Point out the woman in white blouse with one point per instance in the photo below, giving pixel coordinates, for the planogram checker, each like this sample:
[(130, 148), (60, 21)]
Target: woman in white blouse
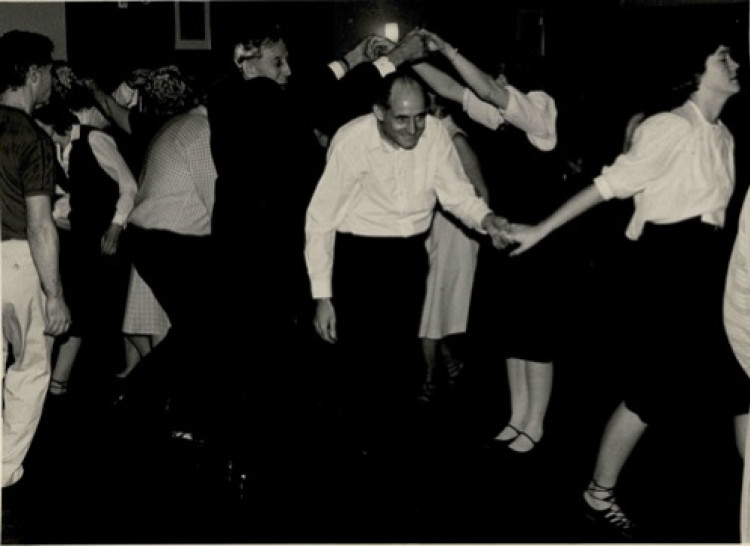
[(680, 173)]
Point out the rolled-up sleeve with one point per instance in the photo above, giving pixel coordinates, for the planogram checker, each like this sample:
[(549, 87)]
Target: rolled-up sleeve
[(109, 158), (656, 146), (484, 113), (534, 113)]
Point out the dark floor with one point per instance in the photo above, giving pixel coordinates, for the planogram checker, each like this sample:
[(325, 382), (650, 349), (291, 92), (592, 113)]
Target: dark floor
[(90, 481)]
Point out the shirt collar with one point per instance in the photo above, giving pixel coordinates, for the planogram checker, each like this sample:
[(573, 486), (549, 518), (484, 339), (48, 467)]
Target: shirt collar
[(376, 140)]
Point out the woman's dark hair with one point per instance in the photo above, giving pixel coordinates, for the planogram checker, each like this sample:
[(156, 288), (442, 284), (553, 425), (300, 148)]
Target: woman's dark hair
[(685, 62), (57, 116), (19, 51)]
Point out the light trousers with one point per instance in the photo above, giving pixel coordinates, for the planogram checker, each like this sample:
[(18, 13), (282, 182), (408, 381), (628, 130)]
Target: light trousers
[(26, 380)]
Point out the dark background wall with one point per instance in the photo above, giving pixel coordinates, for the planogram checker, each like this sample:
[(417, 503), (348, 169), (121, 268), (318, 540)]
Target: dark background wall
[(589, 43)]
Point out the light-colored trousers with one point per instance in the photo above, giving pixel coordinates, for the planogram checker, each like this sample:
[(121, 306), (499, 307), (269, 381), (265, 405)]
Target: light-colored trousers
[(26, 380)]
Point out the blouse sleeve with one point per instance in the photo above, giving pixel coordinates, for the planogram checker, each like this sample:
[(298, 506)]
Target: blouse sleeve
[(534, 113), (656, 147)]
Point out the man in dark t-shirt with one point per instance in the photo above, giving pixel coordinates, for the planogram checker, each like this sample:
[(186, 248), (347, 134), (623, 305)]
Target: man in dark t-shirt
[(32, 298)]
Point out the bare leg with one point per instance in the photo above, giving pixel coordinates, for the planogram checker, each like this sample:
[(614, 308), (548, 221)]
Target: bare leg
[(539, 376), (430, 349), (519, 398), (66, 357), (451, 364), (622, 433), (740, 433), (136, 347)]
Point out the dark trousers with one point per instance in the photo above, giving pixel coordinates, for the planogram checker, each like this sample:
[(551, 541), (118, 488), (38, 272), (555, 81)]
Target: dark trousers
[(378, 292)]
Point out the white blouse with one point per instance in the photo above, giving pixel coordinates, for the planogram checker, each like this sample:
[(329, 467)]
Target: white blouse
[(680, 166), (534, 113)]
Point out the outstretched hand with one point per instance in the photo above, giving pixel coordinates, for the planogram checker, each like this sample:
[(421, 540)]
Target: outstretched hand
[(525, 236)]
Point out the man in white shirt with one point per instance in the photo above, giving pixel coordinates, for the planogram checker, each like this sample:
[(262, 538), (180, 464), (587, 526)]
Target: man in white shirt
[(374, 204)]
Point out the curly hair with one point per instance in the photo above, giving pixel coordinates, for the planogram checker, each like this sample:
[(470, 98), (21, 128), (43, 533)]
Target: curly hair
[(167, 91)]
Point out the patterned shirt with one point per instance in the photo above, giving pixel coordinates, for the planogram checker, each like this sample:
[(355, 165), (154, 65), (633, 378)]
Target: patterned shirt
[(27, 168), (178, 178)]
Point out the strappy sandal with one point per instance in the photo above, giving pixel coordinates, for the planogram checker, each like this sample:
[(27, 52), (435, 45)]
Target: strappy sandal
[(57, 387), (612, 517)]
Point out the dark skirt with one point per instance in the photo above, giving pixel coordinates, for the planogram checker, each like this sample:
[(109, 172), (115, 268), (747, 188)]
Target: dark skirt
[(95, 286), (520, 304), (678, 356)]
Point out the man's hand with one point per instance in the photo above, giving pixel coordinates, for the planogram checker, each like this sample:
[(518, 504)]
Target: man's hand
[(377, 46), (498, 229), (412, 47), (369, 49), (57, 316), (110, 239), (325, 320)]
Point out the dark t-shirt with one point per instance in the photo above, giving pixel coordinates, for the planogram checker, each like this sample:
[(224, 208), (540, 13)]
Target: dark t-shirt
[(27, 168)]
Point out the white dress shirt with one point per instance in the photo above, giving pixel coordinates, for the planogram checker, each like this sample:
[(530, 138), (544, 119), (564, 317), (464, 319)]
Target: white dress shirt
[(371, 188), (680, 166)]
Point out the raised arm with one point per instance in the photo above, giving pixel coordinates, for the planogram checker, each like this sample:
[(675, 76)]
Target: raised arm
[(485, 86), (442, 83), (118, 114)]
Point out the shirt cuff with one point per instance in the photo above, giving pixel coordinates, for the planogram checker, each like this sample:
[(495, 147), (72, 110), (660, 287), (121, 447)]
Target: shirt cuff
[(321, 289), (384, 66), (604, 188), (337, 68)]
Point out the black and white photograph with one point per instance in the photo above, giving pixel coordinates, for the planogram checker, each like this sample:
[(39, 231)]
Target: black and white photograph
[(375, 271)]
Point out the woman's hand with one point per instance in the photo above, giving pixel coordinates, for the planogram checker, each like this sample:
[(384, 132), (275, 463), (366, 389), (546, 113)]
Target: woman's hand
[(525, 236)]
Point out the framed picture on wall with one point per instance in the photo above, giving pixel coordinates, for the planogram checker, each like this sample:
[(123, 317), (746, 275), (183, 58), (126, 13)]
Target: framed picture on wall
[(192, 25)]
